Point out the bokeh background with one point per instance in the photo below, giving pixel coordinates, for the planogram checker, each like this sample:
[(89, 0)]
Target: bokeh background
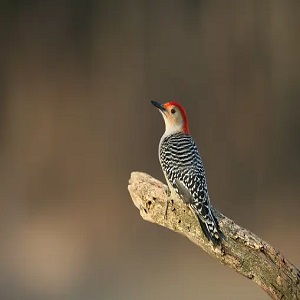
[(76, 78)]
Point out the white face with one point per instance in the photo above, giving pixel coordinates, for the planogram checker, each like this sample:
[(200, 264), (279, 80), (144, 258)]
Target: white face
[(173, 119)]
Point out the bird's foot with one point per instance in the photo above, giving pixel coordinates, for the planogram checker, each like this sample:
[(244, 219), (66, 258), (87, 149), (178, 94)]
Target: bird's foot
[(166, 209), (168, 193)]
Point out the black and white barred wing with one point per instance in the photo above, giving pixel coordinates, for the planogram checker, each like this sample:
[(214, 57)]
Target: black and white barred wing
[(197, 199)]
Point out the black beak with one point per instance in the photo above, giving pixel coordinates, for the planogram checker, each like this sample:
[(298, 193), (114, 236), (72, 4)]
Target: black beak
[(158, 105)]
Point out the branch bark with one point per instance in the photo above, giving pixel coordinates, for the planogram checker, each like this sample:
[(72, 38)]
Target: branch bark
[(242, 250)]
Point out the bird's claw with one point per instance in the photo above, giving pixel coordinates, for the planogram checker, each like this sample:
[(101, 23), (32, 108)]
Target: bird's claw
[(168, 193), (166, 210)]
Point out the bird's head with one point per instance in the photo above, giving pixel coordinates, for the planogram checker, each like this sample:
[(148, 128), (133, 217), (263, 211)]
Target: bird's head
[(174, 117)]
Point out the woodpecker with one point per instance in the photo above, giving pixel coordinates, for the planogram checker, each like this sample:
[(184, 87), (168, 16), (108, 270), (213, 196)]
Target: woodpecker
[(183, 168)]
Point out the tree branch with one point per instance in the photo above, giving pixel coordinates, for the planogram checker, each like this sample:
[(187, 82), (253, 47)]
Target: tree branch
[(242, 250)]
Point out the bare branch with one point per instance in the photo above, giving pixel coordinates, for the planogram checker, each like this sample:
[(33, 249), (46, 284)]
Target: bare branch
[(243, 251)]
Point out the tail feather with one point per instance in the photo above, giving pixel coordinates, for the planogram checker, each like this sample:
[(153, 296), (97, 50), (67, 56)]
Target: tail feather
[(210, 228)]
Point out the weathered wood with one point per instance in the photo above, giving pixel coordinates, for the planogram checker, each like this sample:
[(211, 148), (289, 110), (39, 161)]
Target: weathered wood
[(242, 250)]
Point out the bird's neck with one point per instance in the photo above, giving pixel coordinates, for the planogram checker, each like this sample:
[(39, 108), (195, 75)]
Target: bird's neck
[(171, 127), (174, 129), (171, 133)]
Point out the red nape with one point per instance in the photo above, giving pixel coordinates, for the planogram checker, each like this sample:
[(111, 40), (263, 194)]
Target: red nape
[(185, 128)]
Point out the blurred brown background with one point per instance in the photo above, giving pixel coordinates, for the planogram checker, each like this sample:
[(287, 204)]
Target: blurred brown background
[(76, 80)]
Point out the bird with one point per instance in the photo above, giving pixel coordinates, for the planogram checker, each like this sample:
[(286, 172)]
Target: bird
[(183, 168)]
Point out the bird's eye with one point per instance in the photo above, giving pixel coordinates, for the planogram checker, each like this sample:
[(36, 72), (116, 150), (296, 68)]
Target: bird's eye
[(173, 111)]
